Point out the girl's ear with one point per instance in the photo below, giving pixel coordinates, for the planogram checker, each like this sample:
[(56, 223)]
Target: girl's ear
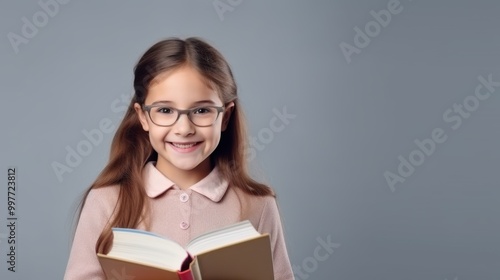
[(227, 115), (142, 116)]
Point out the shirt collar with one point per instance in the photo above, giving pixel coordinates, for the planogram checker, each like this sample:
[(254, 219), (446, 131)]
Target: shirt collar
[(212, 186)]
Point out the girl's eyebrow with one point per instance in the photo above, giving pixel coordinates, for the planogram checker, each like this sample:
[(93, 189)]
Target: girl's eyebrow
[(194, 103)]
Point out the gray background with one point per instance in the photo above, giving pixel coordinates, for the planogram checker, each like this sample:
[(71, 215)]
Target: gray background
[(327, 165)]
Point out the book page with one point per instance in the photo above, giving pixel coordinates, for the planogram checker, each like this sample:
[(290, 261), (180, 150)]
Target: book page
[(148, 248), (222, 237)]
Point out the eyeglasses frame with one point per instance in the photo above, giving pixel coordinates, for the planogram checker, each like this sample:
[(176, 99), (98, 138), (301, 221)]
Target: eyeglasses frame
[(180, 112)]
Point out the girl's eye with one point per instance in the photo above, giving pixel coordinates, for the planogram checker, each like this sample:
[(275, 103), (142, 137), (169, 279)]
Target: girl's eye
[(165, 110), (202, 110)]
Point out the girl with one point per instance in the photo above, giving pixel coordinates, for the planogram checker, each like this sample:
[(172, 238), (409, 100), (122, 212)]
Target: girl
[(177, 165)]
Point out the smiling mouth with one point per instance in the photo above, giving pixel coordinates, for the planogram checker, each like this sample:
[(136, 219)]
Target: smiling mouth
[(184, 145)]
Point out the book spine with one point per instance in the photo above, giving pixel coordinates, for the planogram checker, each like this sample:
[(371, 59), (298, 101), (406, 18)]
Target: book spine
[(185, 275)]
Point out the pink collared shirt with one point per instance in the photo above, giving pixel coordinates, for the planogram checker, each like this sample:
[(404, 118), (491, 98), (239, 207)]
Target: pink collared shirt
[(179, 215)]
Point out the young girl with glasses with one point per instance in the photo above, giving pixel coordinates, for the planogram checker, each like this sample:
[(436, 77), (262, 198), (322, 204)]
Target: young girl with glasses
[(177, 165)]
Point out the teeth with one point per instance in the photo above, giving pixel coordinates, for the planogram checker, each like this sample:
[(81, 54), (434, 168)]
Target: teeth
[(183, 146)]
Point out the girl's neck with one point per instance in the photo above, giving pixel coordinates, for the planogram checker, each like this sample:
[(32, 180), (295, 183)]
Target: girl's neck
[(185, 178)]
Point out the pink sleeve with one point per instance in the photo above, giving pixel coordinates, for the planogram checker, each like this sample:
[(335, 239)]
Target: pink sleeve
[(270, 222), (83, 263)]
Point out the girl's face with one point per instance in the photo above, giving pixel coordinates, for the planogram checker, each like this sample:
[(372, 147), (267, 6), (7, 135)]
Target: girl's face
[(183, 148)]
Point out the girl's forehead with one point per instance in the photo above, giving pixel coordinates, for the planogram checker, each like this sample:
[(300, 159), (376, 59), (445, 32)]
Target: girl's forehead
[(184, 86)]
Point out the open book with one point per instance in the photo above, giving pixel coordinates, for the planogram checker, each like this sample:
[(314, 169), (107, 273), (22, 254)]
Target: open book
[(235, 252)]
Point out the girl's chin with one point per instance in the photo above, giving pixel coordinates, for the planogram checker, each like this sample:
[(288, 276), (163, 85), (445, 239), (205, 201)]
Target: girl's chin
[(185, 165)]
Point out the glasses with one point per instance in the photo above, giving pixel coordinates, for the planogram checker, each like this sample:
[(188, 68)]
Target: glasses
[(162, 115)]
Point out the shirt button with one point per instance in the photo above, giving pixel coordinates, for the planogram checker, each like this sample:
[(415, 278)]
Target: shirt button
[(184, 197), (184, 225)]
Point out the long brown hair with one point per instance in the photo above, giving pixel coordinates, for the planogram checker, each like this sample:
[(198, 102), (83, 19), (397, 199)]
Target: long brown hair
[(131, 149)]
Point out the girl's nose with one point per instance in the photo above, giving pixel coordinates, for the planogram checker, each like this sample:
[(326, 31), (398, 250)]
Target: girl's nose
[(184, 126)]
